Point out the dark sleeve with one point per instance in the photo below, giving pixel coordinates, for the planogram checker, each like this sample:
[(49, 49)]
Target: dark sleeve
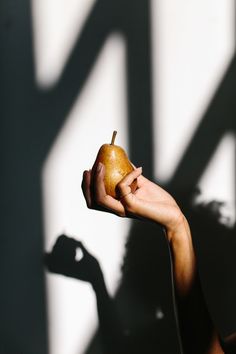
[(229, 347), (215, 246)]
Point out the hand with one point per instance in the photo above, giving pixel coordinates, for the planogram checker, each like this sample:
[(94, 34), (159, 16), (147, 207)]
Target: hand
[(62, 261), (149, 201)]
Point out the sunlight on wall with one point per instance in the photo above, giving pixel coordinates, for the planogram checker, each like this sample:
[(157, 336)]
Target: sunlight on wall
[(193, 44), (57, 25), (218, 181), (98, 111)]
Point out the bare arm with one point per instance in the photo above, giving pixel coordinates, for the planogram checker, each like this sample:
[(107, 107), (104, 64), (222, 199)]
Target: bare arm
[(153, 203), (197, 330)]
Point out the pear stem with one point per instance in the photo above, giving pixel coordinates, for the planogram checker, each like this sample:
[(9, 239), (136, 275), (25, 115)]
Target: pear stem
[(113, 137)]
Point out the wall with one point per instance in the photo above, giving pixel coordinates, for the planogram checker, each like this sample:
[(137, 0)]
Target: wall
[(160, 73)]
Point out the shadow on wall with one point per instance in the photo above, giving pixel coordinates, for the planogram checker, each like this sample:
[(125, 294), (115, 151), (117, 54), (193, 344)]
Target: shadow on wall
[(31, 120), (141, 317)]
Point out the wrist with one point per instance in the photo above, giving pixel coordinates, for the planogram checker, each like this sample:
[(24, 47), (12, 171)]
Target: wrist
[(183, 255), (177, 228)]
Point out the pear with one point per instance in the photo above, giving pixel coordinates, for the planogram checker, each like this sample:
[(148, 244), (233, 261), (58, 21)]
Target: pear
[(117, 166)]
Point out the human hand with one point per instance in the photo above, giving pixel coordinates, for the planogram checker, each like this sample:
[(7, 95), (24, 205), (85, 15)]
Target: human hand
[(149, 201), (62, 260)]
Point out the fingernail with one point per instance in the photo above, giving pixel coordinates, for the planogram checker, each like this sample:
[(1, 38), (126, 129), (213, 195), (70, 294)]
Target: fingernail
[(99, 167), (140, 168), (85, 173)]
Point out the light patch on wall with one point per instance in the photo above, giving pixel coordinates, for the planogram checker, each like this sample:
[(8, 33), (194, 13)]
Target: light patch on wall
[(218, 181), (56, 27), (193, 43), (98, 111)]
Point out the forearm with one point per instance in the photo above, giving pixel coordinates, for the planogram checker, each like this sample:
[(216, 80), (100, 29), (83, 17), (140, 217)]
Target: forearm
[(183, 256), (197, 330)]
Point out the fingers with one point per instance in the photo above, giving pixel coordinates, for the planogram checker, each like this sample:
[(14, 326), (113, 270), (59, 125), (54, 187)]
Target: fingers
[(64, 245), (86, 188), (83, 249), (124, 186), (130, 177), (97, 198), (99, 187), (105, 200), (124, 190), (101, 198)]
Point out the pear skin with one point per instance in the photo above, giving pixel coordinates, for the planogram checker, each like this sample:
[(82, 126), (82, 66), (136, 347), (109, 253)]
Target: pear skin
[(117, 166)]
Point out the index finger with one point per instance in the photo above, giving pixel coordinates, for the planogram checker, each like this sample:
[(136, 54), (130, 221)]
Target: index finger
[(124, 186)]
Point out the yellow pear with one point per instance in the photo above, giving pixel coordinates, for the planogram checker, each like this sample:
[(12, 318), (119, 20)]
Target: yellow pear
[(117, 166)]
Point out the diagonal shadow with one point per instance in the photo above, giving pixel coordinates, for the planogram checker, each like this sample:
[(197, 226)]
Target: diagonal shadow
[(214, 243), (218, 119), (31, 119)]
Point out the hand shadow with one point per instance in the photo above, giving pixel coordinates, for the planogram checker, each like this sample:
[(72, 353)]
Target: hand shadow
[(62, 260)]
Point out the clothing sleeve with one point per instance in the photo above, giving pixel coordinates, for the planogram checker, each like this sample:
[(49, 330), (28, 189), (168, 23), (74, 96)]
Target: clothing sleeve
[(215, 246)]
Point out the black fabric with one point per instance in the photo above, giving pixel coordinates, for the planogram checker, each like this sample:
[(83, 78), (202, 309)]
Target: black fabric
[(215, 246)]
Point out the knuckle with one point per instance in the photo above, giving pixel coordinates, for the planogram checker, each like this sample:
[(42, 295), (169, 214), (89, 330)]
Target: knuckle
[(121, 185)]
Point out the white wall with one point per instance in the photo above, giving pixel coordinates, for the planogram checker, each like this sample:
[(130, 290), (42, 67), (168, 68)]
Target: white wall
[(193, 42)]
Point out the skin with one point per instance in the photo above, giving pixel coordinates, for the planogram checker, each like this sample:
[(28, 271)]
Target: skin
[(151, 202)]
